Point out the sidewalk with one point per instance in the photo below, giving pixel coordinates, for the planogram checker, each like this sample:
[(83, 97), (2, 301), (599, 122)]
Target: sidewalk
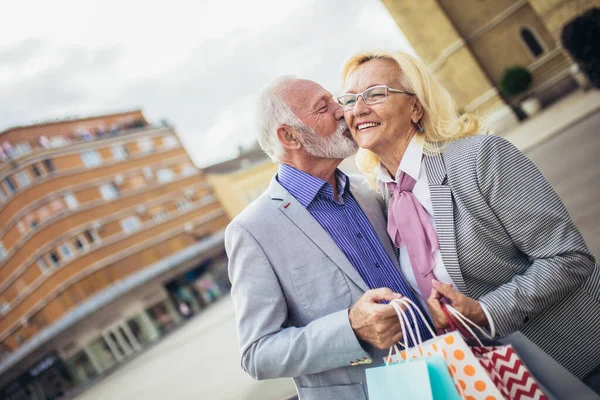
[(554, 119)]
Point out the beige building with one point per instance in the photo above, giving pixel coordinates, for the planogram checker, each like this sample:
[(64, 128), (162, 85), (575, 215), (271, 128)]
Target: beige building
[(240, 181), (470, 43), (109, 238)]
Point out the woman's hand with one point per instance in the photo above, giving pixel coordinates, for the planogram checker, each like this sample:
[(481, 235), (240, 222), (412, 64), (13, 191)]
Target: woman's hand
[(467, 306)]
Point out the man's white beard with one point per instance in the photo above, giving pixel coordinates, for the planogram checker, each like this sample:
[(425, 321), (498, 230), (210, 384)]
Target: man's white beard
[(334, 146)]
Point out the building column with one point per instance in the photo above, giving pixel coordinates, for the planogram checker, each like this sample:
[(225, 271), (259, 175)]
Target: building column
[(175, 316), (131, 337), (93, 359), (113, 348), (148, 326)]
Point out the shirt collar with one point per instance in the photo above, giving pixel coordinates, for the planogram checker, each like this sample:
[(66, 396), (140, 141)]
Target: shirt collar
[(410, 163), (305, 187)]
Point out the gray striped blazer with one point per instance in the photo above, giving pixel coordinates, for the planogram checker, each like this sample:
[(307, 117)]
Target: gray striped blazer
[(507, 240)]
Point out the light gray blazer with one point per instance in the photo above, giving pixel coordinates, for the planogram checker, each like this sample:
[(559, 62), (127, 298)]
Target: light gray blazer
[(292, 287), (507, 240)]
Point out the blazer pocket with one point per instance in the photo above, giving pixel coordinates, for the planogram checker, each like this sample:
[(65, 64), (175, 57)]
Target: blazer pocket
[(342, 392), (321, 288)]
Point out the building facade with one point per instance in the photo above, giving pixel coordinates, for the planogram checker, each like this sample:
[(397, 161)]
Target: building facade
[(469, 44), (239, 181), (110, 237)]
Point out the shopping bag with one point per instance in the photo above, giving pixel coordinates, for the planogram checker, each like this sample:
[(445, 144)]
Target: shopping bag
[(399, 381), (470, 377), (422, 377), (503, 362), (503, 365)]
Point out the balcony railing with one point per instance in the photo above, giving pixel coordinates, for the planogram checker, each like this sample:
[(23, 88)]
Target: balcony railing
[(10, 154)]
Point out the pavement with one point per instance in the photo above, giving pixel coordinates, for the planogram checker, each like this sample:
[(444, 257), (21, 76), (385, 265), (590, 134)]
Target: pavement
[(554, 120), (198, 361)]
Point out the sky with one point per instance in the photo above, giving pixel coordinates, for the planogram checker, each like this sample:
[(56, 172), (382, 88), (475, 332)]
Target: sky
[(199, 64)]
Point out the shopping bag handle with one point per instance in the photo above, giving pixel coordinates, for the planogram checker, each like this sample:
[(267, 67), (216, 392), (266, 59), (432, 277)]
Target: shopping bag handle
[(412, 306), (401, 318), (456, 325), (467, 324)]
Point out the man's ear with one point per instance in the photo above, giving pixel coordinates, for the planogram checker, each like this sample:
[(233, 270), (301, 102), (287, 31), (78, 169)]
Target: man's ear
[(417, 113), (287, 137)]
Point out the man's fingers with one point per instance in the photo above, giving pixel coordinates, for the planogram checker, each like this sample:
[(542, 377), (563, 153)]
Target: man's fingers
[(385, 311), (395, 339), (377, 295)]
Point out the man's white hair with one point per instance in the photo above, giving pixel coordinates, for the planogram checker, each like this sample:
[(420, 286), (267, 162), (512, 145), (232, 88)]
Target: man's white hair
[(273, 112)]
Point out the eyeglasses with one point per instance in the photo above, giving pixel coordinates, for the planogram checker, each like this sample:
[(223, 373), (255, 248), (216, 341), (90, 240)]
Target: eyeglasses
[(372, 95)]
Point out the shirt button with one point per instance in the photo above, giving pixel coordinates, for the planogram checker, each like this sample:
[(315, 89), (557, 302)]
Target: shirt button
[(377, 265), (359, 235)]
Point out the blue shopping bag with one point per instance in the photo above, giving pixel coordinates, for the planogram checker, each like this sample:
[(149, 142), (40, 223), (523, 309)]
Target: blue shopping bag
[(405, 380), (442, 384), (425, 378)]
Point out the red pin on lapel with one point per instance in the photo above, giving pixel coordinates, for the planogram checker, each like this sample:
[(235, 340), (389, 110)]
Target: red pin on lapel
[(287, 205)]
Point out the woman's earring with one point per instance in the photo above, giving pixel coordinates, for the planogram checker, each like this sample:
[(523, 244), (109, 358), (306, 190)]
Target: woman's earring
[(420, 127)]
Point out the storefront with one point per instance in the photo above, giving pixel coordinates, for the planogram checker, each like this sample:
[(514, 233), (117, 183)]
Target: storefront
[(47, 380), (200, 286)]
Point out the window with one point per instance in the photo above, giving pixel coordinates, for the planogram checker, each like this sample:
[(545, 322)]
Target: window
[(3, 252), (71, 201), (22, 227), (170, 142), (23, 179), (165, 175), (147, 171), (22, 148), (49, 164), (532, 42), (119, 152), (58, 141), (189, 170), (33, 224), (159, 216), (207, 199), (130, 224), (43, 266), (145, 145), (36, 171), (4, 308), (43, 214), (57, 206), (91, 158), (2, 195), (10, 184), (109, 191), (65, 251), (90, 236), (183, 204), (79, 246), (54, 258)]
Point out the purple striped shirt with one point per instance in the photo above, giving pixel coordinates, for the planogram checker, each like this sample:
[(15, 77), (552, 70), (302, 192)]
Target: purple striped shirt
[(349, 228)]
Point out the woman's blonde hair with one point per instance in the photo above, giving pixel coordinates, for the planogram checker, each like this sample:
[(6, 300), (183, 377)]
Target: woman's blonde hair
[(441, 122)]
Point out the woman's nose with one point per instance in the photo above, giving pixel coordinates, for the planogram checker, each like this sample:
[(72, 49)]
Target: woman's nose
[(360, 107)]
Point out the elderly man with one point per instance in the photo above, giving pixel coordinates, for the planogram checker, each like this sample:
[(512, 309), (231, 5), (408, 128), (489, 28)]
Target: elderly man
[(310, 260)]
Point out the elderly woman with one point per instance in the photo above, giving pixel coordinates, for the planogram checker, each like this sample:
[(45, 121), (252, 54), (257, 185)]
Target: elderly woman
[(474, 220)]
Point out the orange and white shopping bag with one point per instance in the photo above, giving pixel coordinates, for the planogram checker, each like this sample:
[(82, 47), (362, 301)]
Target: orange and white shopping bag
[(471, 379)]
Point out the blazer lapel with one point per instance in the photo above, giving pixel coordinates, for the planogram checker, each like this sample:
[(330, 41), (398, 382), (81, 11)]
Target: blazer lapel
[(372, 208), (296, 212), (443, 210)]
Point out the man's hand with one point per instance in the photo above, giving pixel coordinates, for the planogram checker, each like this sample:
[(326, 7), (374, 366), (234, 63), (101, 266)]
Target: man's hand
[(467, 306), (376, 323)]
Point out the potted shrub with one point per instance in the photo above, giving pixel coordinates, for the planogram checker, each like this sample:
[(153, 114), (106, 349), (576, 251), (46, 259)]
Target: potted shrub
[(515, 82), (580, 38)]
